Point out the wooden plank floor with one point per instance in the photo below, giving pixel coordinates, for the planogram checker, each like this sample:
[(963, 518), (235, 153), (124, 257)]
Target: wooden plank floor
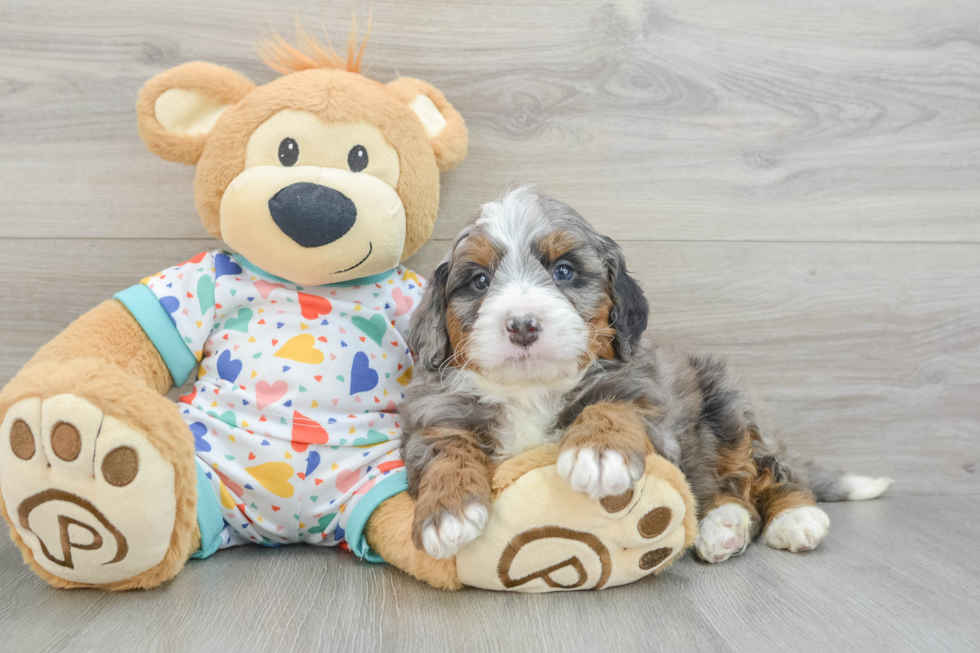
[(899, 574), (796, 184)]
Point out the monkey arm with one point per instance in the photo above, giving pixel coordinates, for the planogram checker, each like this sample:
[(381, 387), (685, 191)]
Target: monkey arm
[(110, 333)]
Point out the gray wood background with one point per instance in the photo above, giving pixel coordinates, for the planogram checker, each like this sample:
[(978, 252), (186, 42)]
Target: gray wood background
[(796, 184)]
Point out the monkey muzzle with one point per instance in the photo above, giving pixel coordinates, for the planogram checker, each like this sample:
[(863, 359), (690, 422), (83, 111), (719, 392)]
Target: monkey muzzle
[(311, 214)]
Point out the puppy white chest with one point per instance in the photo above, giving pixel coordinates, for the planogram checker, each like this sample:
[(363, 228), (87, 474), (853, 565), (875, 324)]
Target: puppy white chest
[(526, 424), (528, 412)]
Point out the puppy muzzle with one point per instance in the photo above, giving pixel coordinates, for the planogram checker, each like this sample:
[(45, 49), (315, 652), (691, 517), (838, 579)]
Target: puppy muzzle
[(523, 330)]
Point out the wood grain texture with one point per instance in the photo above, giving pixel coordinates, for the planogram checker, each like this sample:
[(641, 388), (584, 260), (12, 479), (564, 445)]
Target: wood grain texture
[(867, 355), (897, 574), (795, 185), (763, 120)]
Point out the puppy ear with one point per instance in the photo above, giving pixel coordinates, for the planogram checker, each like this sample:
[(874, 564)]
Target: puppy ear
[(177, 108), (428, 336), (630, 309), (442, 123)]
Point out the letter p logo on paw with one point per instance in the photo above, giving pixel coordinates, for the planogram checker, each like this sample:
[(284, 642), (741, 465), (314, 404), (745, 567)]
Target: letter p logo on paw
[(90, 527)]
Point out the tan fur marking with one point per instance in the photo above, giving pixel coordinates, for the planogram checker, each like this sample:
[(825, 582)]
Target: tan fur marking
[(458, 339), (780, 497), (602, 334), (610, 425), (556, 244), (478, 249), (756, 490), (460, 472)]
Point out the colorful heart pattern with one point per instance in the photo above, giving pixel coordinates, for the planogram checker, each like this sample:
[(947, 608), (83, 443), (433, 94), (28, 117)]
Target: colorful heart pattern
[(374, 328), (294, 413), (302, 350), (269, 393), (362, 377), (313, 306)]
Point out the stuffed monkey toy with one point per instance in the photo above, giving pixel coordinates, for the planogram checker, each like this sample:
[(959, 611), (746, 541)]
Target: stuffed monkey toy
[(320, 183)]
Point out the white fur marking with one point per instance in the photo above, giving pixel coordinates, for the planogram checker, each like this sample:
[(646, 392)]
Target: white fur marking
[(797, 529), (586, 472), (616, 477), (445, 540), (530, 408), (862, 488), (724, 532)]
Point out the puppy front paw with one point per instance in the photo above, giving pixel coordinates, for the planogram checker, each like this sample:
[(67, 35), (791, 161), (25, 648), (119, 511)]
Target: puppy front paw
[(599, 473), (441, 531)]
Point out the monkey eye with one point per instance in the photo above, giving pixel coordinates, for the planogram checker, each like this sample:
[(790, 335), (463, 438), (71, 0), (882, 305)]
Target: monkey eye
[(563, 272), (480, 281), (288, 152), (357, 158)]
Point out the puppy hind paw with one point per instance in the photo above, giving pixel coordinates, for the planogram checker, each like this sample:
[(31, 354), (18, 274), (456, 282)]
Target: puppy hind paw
[(724, 532), (797, 529)]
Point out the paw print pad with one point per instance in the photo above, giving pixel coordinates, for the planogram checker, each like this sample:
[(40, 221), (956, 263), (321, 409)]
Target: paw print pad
[(91, 498), (544, 536)]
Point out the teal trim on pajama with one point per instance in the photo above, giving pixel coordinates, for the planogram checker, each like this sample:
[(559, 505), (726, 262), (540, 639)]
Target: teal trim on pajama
[(159, 328)]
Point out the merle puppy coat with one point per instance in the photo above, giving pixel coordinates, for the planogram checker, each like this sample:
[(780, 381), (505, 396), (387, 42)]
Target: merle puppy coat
[(530, 332)]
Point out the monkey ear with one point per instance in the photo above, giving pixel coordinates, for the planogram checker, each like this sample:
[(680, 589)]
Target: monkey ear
[(177, 108), (428, 336), (443, 124)]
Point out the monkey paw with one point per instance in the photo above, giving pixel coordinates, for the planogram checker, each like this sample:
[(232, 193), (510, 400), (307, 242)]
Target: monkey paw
[(89, 496), (544, 536)]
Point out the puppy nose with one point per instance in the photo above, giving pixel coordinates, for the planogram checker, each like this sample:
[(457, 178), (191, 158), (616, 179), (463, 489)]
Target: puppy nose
[(311, 214), (523, 329)]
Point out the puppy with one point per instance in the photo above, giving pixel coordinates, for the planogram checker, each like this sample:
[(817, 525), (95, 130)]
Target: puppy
[(530, 332)]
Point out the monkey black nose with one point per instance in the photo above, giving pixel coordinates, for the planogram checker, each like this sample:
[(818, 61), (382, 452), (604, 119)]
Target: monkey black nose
[(523, 329), (311, 214)]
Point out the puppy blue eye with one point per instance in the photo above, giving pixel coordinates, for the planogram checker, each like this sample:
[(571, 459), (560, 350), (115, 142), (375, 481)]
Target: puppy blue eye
[(481, 281), (563, 272)]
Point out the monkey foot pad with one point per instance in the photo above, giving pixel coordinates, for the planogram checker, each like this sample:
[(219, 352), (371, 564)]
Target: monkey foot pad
[(90, 497), (543, 536)]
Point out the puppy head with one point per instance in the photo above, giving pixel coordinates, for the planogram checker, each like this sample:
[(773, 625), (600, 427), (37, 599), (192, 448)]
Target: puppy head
[(529, 291)]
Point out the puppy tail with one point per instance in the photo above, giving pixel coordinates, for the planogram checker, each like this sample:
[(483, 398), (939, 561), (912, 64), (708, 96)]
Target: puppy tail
[(832, 486)]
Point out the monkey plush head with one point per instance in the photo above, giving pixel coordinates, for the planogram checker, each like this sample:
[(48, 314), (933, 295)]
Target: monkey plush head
[(319, 176)]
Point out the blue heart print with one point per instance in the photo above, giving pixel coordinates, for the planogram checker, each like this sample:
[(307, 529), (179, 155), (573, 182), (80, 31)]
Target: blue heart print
[(199, 431), (223, 265), (312, 462), (228, 368), (362, 377), (170, 304)]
